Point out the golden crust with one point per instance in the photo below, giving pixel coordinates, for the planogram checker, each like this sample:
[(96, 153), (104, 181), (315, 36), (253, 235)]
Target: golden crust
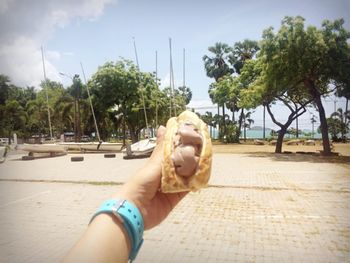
[(171, 182)]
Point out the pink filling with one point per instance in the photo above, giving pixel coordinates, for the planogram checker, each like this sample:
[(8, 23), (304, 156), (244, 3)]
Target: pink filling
[(188, 144)]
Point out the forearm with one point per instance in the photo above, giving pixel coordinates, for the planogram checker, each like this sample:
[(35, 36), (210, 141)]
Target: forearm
[(105, 240)]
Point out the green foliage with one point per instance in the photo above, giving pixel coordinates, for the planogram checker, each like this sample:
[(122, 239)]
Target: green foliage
[(232, 133), (217, 65), (186, 93), (120, 87), (337, 128), (12, 118), (243, 52)]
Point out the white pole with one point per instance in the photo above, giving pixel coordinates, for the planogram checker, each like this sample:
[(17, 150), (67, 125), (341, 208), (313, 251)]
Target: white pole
[(143, 98), (92, 107), (45, 88)]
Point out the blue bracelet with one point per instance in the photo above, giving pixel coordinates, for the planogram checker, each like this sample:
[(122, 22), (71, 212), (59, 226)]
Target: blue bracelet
[(132, 221)]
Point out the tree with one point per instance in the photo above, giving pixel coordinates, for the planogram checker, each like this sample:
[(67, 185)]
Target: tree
[(262, 91), (336, 127), (4, 88), (54, 91), (121, 85), (339, 124), (313, 121), (227, 92), (208, 118), (76, 90), (217, 66), (311, 57), (243, 51), (344, 91), (12, 118), (186, 93), (247, 122)]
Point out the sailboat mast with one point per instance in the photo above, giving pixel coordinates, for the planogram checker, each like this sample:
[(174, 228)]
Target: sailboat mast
[(172, 84), (157, 88), (92, 107), (46, 93), (184, 82), (142, 96)]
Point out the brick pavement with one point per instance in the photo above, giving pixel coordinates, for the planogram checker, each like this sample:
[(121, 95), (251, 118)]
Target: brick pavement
[(264, 210)]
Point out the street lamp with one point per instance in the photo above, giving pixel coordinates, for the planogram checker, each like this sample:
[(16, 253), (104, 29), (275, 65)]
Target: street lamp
[(76, 95)]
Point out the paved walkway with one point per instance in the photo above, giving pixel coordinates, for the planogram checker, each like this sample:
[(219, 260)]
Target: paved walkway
[(257, 209)]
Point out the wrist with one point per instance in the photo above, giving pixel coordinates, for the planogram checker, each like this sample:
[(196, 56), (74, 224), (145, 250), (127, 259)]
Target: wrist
[(130, 218), (131, 196)]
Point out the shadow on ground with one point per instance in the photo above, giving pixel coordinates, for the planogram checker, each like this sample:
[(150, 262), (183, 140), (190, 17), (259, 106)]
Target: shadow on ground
[(297, 157)]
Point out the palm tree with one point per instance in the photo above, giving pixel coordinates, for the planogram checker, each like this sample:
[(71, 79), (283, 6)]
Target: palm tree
[(4, 88), (341, 116), (208, 118), (217, 66), (241, 52), (37, 121), (247, 122), (64, 112), (344, 91), (313, 121)]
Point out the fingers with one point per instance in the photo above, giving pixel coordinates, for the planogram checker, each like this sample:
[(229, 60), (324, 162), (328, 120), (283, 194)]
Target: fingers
[(160, 134), (157, 154)]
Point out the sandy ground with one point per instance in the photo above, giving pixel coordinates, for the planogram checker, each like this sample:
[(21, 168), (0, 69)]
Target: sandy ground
[(259, 207)]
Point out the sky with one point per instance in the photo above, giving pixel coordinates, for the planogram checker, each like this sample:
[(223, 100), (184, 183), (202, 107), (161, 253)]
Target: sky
[(96, 31)]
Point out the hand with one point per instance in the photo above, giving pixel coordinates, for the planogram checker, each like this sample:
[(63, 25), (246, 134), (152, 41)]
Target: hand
[(143, 188)]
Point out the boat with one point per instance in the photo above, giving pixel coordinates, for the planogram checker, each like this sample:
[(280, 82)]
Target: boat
[(92, 146), (3, 153), (140, 149), (42, 148)]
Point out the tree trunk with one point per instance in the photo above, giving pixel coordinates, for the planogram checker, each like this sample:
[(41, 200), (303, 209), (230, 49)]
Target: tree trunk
[(346, 111), (346, 118), (223, 118), (218, 124), (280, 137), (244, 127), (240, 124), (79, 121), (324, 127), (124, 124), (9, 137), (264, 122), (233, 116), (297, 128), (133, 134), (75, 120)]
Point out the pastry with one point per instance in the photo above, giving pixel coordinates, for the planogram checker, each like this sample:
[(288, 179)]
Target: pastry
[(187, 154)]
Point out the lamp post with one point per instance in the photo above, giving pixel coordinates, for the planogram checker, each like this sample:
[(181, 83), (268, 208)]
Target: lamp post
[(76, 95)]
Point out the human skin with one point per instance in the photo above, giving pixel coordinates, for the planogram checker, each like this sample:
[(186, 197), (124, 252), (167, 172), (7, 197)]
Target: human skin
[(105, 239)]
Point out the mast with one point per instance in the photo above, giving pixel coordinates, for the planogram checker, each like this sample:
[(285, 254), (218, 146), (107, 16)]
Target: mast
[(157, 88), (46, 93), (184, 81), (172, 84), (142, 96), (92, 107)]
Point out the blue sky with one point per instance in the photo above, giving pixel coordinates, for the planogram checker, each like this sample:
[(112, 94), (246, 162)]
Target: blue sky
[(93, 32)]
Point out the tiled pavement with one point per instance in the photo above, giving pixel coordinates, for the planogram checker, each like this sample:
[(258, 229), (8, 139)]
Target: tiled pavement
[(257, 209)]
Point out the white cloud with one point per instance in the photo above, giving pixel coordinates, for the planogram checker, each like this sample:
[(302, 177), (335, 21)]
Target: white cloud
[(26, 26), (4, 5)]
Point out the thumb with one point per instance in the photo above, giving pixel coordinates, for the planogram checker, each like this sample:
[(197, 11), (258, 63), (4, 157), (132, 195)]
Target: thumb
[(157, 154)]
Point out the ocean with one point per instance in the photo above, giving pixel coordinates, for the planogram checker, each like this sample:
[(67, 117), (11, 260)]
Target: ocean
[(258, 134)]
